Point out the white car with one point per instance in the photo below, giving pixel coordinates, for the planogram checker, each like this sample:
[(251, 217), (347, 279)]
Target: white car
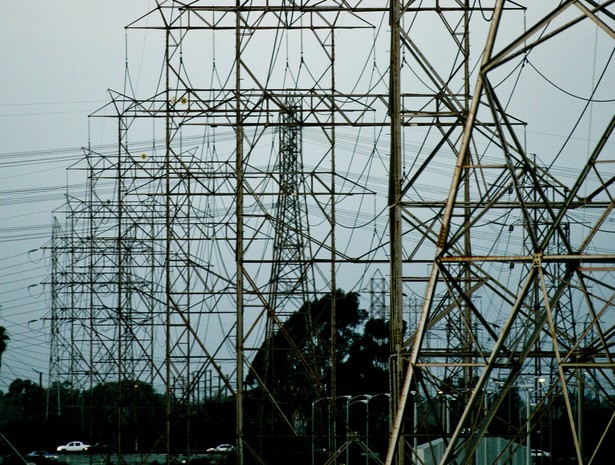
[(222, 448), (540, 453), (73, 446)]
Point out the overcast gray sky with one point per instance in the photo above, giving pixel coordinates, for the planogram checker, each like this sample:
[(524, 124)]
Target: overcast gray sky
[(58, 58)]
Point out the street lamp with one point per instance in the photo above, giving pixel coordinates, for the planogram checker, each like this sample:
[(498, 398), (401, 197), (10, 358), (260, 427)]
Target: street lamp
[(427, 409), (528, 430), (528, 438), (314, 429), (361, 399), (347, 397), (367, 399), (446, 411), (330, 446), (415, 428)]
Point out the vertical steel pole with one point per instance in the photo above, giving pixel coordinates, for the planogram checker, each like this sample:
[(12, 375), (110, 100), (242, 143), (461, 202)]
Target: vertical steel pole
[(415, 428), (333, 394), (168, 249), (239, 240), (580, 400), (468, 336), (528, 430), (120, 272), (396, 317), (401, 392), (367, 430), (313, 433)]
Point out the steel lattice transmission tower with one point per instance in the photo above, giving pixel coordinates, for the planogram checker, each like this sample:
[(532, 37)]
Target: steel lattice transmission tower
[(501, 231), (291, 276), (378, 296), (519, 289), (292, 281), (210, 179), (103, 279)]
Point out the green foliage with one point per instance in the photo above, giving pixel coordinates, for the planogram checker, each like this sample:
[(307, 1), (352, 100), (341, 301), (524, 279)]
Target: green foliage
[(36, 418), (130, 406), (293, 368), (295, 362), (4, 339), (28, 418)]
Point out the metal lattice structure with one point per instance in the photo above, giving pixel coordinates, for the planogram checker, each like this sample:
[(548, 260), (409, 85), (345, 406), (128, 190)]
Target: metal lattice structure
[(286, 136), (509, 311), (103, 276), (378, 296)]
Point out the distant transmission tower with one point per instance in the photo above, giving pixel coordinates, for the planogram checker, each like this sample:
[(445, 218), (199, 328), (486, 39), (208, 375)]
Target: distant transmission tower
[(378, 293), (292, 280), (103, 280)]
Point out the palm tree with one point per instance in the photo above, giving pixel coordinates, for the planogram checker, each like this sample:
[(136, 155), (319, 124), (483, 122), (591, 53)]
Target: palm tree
[(4, 338)]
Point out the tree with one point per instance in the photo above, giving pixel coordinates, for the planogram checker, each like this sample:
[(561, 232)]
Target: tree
[(4, 339), (292, 369), (294, 362), (130, 410)]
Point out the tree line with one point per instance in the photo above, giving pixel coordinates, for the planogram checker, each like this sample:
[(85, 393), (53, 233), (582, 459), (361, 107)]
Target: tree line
[(293, 364), (288, 416)]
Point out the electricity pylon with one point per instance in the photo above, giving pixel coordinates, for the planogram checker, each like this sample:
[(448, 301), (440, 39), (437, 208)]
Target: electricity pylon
[(520, 271), (443, 101)]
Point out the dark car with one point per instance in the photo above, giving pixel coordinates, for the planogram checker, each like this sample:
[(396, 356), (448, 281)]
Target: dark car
[(100, 448), (41, 457)]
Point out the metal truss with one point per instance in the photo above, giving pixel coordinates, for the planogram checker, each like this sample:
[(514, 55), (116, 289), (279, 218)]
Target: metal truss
[(103, 264), (517, 299), (210, 212), (285, 136)]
